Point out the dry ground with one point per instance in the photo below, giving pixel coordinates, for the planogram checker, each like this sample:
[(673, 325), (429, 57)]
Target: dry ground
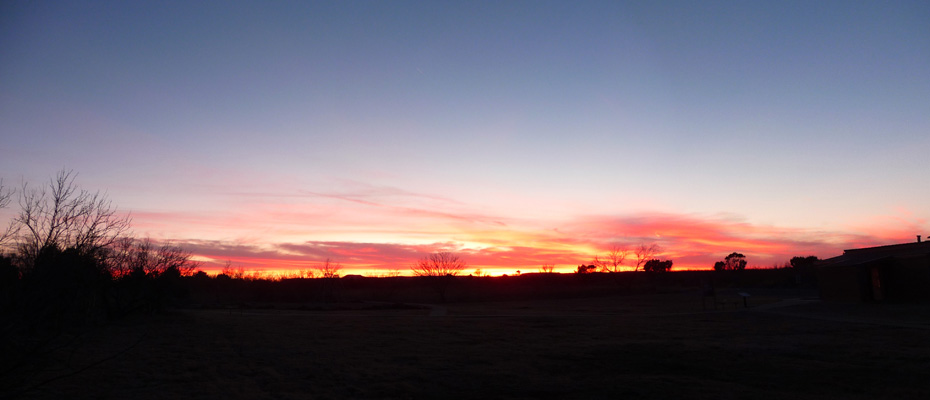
[(657, 346)]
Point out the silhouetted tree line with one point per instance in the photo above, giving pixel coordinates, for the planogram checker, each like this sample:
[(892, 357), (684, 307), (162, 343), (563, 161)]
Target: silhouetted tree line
[(69, 261), (803, 264)]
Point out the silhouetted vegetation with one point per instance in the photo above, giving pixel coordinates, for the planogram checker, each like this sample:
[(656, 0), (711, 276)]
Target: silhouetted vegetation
[(6, 196), (733, 262), (68, 265), (805, 271), (803, 263), (439, 268), (612, 262), (655, 265), (69, 262), (644, 253), (329, 269), (73, 262), (442, 263), (586, 269)]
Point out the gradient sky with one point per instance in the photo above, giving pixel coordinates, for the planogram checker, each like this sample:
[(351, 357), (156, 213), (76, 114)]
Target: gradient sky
[(277, 134)]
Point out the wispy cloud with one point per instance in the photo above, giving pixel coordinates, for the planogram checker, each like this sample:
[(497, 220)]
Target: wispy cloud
[(691, 241), (376, 200), (374, 227)]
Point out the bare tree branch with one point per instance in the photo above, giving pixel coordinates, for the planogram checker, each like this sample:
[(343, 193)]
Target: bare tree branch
[(644, 253), (443, 263), (440, 268), (329, 269), (62, 215), (613, 261), (6, 196)]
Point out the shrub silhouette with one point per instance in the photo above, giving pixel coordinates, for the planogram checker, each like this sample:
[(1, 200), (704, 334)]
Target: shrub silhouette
[(586, 269), (655, 265)]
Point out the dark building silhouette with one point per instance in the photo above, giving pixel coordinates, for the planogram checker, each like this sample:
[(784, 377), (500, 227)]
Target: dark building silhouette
[(899, 272)]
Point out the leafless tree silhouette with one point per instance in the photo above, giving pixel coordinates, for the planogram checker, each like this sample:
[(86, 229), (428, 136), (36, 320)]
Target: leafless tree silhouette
[(6, 195), (62, 216), (645, 253), (127, 255), (613, 261), (442, 263), (440, 268), (169, 257), (234, 273), (120, 256), (329, 269), (547, 268)]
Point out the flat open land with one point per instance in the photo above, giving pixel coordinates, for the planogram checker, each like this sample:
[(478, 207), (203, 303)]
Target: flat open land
[(649, 346)]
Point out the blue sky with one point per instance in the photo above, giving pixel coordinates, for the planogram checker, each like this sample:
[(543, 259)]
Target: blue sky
[(802, 117)]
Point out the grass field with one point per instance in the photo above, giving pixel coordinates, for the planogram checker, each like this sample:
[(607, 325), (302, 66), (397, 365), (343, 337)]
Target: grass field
[(649, 346)]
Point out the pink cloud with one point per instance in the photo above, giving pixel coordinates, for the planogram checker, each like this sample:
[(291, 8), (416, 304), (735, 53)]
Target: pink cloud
[(697, 241), (692, 241)]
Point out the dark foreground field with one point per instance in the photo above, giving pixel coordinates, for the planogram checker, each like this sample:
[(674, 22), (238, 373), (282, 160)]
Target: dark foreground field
[(650, 346)]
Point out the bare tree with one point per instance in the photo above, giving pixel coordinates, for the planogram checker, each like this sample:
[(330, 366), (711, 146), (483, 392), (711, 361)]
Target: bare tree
[(329, 269), (442, 263), (120, 256), (440, 268), (169, 258), (613, 261), (63, 216), (547, 268), (645, 253), (6, 195), (234, 273), (127, 255)]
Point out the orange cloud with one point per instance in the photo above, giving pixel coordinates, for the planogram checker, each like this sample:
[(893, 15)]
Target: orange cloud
[(368, 238), (696, 242)]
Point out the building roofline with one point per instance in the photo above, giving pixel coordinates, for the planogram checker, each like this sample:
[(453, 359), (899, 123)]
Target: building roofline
[(912, 246)]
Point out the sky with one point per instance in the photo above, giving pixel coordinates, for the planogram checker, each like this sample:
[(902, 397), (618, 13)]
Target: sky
[(275, 135)]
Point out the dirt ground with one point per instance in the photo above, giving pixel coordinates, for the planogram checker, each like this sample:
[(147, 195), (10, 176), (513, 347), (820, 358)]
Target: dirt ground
[(653, 346)]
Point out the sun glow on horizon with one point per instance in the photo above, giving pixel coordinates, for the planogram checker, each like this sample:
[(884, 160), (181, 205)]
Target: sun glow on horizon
[(691, 243), (310, 271)]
